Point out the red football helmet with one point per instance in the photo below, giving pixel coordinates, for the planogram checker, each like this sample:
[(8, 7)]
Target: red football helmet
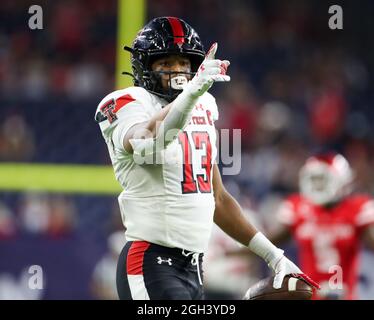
[(325, 178)]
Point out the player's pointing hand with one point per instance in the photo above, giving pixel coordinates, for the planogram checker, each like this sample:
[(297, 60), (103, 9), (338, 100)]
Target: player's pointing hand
[(211, 70)]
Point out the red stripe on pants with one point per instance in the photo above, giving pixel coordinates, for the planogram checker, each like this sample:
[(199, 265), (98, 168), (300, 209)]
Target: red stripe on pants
[(135, 257)]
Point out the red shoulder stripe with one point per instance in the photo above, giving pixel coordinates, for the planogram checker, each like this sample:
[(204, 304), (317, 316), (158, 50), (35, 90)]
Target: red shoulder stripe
[(122, 101)]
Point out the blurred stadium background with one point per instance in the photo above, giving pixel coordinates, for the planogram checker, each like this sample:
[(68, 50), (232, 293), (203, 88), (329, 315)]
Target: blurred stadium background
[(297, 87)]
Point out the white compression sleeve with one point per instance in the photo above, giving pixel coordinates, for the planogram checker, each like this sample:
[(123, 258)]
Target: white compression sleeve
[(178, 115), (262, 246), (176, 120)]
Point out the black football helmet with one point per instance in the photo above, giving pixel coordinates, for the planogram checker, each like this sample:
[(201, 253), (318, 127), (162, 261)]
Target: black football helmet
[(160, 37)]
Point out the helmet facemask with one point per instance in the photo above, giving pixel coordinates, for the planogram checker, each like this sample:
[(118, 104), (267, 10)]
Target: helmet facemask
[(175, 83), (176, 80)]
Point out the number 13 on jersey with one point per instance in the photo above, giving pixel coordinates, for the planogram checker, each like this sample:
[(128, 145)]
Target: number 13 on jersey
[(199, 140)]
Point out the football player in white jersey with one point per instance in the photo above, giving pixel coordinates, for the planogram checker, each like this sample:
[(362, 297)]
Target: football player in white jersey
[(162, 142)]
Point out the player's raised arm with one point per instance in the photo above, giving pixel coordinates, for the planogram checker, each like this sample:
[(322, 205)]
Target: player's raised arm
[(160, 130), (229, 217)]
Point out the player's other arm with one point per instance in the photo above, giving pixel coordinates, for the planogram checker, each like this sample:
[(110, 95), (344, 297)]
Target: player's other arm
[(228, 213), (160, 130), (229, 217)]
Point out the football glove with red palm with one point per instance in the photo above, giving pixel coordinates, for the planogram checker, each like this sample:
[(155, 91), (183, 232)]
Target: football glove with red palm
[(277, 261)]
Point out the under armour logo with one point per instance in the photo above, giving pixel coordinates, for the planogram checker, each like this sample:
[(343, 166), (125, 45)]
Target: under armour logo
[(160, 260)]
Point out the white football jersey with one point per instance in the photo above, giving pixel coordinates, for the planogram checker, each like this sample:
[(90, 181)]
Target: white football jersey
[(169, 202)]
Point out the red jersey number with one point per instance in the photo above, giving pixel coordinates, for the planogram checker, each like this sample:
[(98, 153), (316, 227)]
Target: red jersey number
[(202, 182)]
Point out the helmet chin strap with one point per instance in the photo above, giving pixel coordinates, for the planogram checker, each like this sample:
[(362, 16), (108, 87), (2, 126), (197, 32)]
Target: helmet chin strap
[(178, 82), (175, 84)]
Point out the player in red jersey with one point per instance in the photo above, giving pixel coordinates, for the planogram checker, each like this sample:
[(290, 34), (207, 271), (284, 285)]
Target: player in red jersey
[(329, 223)]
